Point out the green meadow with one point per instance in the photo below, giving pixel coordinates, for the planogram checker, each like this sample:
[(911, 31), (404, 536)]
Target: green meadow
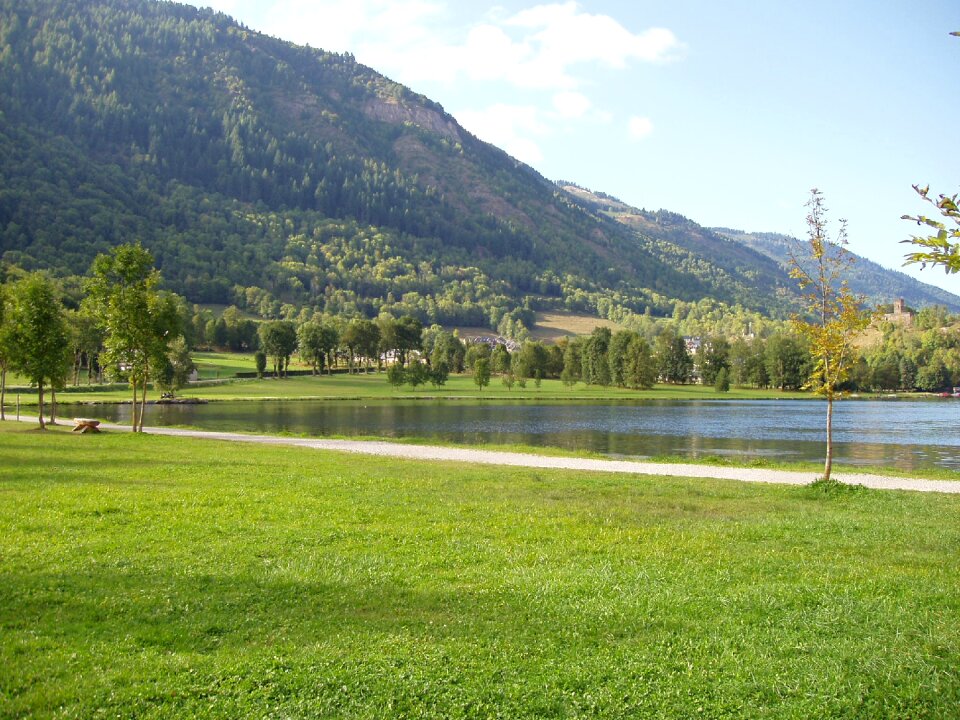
[(375, 386), (155, 577)]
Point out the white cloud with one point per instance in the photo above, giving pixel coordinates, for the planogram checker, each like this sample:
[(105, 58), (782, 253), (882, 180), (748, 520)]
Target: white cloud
[(571, 104), (348, 25), (639, 127), (509, 127), (567, 35), (548, 52), (415, 40)]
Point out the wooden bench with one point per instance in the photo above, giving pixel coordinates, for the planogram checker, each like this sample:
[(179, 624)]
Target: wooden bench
[(86, 425)]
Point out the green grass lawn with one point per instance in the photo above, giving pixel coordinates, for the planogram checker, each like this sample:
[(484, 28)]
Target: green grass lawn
[(158, 577), (375, 386), (214, 365)]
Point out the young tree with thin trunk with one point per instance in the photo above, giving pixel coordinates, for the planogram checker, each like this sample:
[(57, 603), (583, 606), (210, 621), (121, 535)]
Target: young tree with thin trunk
[(481, 373), (38, 335), (5, 351), (832, 317), (138, 320)]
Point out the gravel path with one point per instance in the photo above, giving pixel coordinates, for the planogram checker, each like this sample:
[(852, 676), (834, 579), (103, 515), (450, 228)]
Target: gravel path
[(493, 457)]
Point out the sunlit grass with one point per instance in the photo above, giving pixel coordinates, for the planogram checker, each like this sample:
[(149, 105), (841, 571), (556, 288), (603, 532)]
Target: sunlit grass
[(375, 386), (145, 576)]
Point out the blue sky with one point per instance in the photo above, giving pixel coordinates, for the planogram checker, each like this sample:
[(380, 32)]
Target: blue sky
[(728, 113)]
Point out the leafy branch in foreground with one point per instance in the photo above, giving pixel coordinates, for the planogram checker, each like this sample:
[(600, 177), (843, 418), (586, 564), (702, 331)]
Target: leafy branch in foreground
[(833, 317), (943, 246)]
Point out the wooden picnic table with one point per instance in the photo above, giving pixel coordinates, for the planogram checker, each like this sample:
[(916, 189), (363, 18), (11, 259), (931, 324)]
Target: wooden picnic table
[(86, 425)]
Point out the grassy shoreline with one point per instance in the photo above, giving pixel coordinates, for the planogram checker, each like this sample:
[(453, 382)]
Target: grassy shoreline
[(814, 468), (147, 576), (458, 388)]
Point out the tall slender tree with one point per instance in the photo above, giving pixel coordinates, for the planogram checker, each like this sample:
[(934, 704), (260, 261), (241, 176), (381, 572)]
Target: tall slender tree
[(5, 346), (38, 335), (139, 321), (832, 316)]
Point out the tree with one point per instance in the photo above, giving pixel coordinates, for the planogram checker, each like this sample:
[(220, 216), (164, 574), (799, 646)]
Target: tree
[(309, 345), (595, 363), (722, 382), (833, 316), (739, 359), (176, 373), (447, 349), (619, 357), (260, 361), (713, 355), (138, 319), (641, 368), (784, 362), (38, 335), (408, 334), (942, 248), (481, 372), (933, 377), (5, 346), (475, 352), (278, 339), (417, 374), (439, 372), (432, 338), (396, 374), (673, 361), (367, 338), (572, 363), (500, 359), (86, 337), (755, 369), (350, 339)]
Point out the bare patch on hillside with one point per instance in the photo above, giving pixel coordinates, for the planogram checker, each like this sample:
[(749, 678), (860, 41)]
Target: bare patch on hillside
[(393, 111), (551, 326)]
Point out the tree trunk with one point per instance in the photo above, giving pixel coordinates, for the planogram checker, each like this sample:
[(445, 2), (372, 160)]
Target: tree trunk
[(53, 405), (3, 392), (828, 464), (133, 383), (40, 405), (143, 404)]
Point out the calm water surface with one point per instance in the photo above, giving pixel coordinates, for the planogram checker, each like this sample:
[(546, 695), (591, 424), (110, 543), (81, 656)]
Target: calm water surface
[(908, 434)]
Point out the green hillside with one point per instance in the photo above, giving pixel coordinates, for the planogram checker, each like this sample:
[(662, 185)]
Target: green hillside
[(879, 285), (264, 174)]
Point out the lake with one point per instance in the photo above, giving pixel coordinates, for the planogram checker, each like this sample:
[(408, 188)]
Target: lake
[(907, 434)]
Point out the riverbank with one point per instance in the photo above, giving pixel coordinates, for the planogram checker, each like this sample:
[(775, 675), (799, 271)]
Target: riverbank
[(462, 455), (178, 577), (530, 459)]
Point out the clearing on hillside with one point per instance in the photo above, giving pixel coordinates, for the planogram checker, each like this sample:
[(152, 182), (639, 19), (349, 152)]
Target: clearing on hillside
[(551, 326)]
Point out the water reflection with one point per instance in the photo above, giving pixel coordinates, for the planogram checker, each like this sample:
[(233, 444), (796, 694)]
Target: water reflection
[(908, 434)]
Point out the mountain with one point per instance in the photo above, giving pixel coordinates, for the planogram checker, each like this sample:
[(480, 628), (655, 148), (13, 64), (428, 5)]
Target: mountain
[(280, 177), (743, 272), (877, 284)]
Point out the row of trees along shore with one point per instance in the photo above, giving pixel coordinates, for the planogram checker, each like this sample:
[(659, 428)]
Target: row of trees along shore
[(124, 328), (124, 324)]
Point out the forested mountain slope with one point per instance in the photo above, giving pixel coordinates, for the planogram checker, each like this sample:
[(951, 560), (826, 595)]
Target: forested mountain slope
[(879, 285), (263, 173)]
